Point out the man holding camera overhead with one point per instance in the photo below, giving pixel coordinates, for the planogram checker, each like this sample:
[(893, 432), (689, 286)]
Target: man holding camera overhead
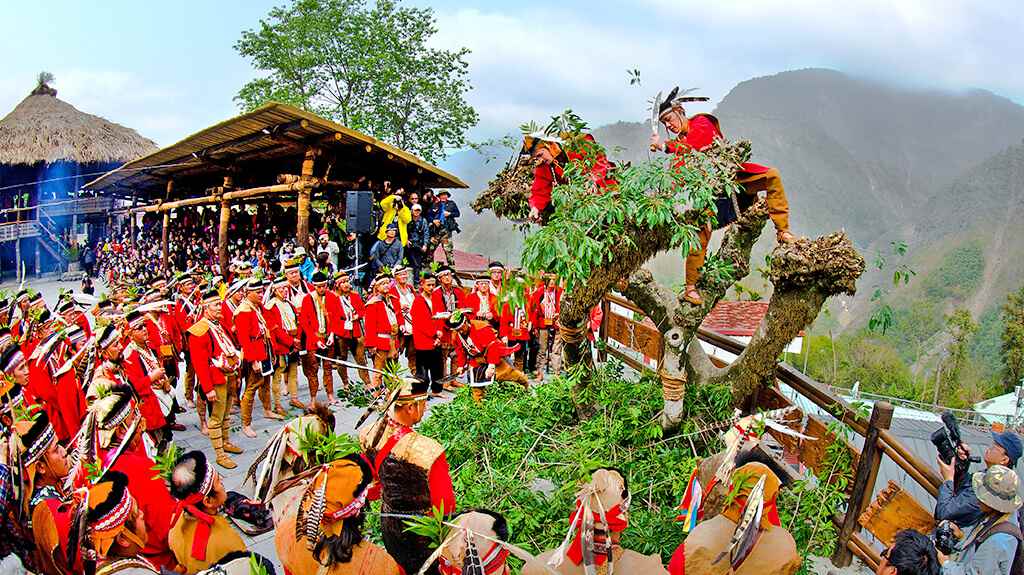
[(957, 500)]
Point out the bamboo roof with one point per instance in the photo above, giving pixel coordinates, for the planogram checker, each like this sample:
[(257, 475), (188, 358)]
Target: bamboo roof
[(269, 140), (43, 128)]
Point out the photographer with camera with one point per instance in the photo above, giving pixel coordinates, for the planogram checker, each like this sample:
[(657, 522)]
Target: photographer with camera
[(992, 545), (394, 211), (910, 554), (956, 500)]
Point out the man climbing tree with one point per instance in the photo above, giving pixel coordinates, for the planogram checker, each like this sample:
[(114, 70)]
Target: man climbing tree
[(698, 133), (658, 206)]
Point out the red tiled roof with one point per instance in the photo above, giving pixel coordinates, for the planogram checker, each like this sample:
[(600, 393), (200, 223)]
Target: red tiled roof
[(736, 318), (464, 261)]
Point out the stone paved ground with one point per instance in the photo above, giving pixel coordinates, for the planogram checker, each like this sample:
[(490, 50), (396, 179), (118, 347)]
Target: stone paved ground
[(265, 428)]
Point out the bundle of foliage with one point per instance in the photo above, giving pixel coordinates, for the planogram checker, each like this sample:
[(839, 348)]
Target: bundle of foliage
[(508, 194), (525, 455)]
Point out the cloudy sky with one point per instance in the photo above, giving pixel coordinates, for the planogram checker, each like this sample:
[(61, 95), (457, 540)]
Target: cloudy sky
[(168, 69)]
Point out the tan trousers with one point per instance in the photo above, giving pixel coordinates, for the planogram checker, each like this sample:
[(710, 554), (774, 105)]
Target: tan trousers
[(549, 358), (286, 376), (380, 359), (778, 210), (220, 414), (255, 383), (358, 350), (311, 365), (502, 372)]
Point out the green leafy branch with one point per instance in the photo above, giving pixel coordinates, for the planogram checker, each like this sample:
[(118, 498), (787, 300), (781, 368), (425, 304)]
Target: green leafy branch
[(883, 317), (432, 526), (165, 462), (322, 448)]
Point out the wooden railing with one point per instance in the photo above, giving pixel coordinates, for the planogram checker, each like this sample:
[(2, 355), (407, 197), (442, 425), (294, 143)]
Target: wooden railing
[(879, 441), (16, 230)]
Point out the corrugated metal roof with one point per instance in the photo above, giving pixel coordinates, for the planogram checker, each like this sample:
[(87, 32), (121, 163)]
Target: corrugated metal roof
[(736, 318), (277, 132)]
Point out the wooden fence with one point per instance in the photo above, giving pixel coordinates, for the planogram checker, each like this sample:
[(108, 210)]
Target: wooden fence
[(634, 339)]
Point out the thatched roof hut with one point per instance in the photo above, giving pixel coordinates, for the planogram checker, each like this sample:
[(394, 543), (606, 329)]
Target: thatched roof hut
[(44, 129)]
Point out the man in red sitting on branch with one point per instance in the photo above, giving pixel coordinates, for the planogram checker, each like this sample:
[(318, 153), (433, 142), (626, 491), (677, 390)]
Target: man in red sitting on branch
[(551, 154), (698, 133)]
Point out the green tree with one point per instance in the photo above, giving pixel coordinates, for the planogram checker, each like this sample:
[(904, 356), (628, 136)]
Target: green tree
[(962, 328), (1012, 350), (367, 66)]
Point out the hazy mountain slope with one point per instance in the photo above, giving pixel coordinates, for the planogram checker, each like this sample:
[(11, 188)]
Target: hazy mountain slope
[(878, 161)]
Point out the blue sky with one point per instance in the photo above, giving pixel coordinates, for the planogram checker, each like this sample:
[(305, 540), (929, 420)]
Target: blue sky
[(168, 69)]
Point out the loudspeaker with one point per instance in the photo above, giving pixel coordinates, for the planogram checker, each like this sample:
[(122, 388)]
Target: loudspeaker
[(359, 212)]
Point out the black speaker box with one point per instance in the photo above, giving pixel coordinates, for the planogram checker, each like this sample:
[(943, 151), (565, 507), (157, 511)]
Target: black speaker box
[(359, 212)]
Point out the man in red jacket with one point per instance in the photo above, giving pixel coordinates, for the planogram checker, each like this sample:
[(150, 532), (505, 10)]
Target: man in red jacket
[(551, 155), (283, 321), (547, 304), (481, 304), (426, 336), (145, 373), (403, 292), (185, 313), (479, 350), (447, 298), (382, 322), (514, 330), (349, 334), (57, 391), (257, 359), (697, 133), (216, 361), (320, 308), (121, 448)]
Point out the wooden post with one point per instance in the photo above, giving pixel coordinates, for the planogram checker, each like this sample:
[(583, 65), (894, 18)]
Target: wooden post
[(165, 230), (222, 236), (165, 261), (302, 202), (131, 222), (863, 482)]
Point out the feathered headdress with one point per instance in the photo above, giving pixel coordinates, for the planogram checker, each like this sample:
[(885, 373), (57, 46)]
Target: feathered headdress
[(675, 100)]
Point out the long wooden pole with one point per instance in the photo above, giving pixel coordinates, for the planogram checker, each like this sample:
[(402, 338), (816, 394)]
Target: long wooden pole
[(863, 481), (302, 202), (164, 230), (222, 236), (215, 199)]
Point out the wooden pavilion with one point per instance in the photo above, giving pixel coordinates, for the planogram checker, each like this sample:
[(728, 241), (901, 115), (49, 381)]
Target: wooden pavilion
[(276, 153)]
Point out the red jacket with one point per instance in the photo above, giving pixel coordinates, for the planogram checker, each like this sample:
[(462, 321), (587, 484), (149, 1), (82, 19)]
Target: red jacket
[(507, 321), (405, 315), (425, 329), (309, 324), (227, 318), (83, 322), (538, 311), (164, 339), (480, 346), (437, 299), (63, 399), (184, 316), (281, 339), (358, 312), (153, 499), (704, 130), (138, 376), (251, 333), (380, 330), (473, 302), (546, 175), (203, 349)]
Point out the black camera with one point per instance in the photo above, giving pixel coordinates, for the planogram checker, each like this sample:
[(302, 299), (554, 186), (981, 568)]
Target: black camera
[(947, 439), (945, 539)]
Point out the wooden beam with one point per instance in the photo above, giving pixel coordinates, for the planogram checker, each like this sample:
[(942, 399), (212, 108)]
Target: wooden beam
[(264, 190), (863, 481)]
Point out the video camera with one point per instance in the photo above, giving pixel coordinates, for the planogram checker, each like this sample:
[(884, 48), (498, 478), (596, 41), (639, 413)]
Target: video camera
[(944, 538), (947, 439)]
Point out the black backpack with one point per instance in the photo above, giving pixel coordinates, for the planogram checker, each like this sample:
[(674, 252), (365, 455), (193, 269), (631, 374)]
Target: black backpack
[(1017, 567)]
